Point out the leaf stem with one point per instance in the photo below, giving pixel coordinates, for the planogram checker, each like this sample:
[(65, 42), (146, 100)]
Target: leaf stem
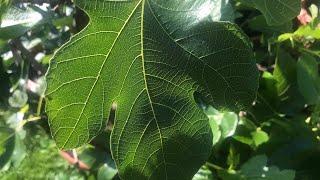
[(214, 166), (25, 121), (39, 105)]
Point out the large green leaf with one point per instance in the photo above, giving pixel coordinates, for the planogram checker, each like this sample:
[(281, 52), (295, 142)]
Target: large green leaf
[(147, 58)]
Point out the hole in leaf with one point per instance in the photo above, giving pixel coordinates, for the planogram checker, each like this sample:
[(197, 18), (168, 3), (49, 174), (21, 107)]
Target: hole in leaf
[(112, 116)]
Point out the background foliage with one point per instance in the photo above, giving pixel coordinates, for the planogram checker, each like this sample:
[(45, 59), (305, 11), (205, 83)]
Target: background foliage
[(277, 138)]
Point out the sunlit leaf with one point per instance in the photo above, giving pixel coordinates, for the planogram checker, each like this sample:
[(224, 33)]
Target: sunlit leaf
[(148, 58), (203, 174), (106, 172), (308, 32), (259, 137), (223, 124), (16, 21)]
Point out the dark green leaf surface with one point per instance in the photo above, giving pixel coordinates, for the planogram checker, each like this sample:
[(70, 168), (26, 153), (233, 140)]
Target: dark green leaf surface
[(285, 73), (259, 23), (149, 57), (276, 12), (7, 143), (256, 169), (4, 81), (309, 79)]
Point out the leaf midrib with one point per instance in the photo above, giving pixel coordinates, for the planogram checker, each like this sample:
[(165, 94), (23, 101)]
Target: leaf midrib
[(286, 5), (146, 84)]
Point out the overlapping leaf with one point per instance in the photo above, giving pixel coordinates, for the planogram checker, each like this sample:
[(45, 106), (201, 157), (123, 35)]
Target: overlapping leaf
[(308, 78), (149, 57), (256, 168), (276, 12)]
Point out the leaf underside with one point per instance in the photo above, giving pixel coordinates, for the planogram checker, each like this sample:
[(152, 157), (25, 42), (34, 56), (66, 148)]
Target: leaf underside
[(149, 57)]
